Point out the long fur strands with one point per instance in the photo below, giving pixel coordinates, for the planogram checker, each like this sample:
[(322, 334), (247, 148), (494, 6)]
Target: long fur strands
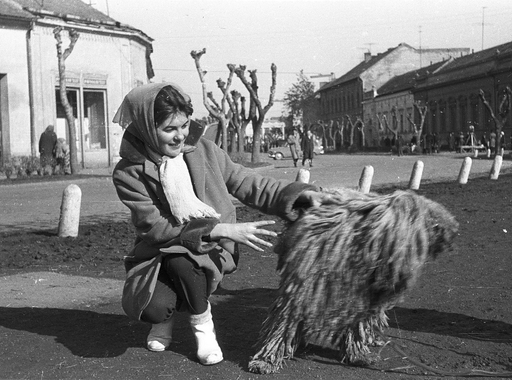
[(342, 265)]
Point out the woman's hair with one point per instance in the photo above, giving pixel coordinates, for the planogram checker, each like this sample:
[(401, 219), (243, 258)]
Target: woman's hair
[(169, 101)]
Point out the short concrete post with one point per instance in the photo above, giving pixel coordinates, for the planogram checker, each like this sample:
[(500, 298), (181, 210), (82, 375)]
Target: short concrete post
[(488, 153), (303, 176), (475, 153), (417, 172), (365, 182), (70, 211), (496, 167), (464, 171)]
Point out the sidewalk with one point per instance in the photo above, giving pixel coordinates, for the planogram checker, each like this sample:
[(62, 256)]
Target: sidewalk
[(36, 206)]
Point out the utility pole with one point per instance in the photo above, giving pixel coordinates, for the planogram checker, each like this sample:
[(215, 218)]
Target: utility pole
[(483, 23), (421, 64)]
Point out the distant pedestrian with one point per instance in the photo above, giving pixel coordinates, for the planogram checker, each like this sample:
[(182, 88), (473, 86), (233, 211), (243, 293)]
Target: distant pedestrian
[(435, 142), (293, 141), (461, 141), (451, 142), (483, 141), (62, 157), (308, 147), (400, 145), (492, 143), (502, 143), (47, 143)]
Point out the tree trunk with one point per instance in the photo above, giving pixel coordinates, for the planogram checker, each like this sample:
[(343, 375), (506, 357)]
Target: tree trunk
[(70, 118), (256, 141)]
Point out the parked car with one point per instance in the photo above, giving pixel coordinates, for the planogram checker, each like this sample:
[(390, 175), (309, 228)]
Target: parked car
[(284, 151)]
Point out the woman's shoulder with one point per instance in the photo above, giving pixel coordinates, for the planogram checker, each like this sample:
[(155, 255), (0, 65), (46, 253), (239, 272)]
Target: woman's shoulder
[(126, 169), (208, 146)]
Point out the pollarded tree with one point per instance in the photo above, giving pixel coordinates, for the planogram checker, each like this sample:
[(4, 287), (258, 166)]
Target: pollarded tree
[(219, 112), (300, 100), (353, 126), (258, 116), (240, 118), (504, 110), (418, 128), (70, 118)]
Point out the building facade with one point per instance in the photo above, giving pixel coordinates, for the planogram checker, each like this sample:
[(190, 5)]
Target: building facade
[(108, 60), (344, 96), (452, 94), (394, 104)]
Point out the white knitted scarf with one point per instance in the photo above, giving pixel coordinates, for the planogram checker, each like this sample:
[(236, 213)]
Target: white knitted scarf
[(177, 185)]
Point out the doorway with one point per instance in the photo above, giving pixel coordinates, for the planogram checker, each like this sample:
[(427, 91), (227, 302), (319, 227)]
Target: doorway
[(89, 110)]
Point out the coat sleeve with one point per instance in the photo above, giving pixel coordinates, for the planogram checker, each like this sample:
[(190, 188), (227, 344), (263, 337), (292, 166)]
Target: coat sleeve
[(271, 196), (151, 216)]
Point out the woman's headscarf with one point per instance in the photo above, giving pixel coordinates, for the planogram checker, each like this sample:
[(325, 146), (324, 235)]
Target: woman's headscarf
[(137, 109)]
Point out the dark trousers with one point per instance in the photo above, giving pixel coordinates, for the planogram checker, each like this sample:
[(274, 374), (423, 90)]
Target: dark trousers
[(181, 285)]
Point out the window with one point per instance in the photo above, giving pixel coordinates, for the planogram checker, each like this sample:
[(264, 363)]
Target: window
[(94, 120)]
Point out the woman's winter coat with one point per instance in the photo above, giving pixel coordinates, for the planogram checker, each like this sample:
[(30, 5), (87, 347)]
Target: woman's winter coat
[(215, 179)]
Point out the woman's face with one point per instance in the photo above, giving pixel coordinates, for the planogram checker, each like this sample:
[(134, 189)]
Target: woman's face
[(172, 133)]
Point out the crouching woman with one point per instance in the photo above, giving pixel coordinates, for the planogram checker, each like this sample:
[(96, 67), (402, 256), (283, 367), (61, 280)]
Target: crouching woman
[(177, 186)]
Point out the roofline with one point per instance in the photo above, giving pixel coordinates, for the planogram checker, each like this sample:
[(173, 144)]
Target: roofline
[(70, 25), (452, 81), (84, 22), (20, 19)]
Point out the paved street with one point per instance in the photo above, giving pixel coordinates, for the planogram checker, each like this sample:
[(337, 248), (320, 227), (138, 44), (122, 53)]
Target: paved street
[(37, 205)]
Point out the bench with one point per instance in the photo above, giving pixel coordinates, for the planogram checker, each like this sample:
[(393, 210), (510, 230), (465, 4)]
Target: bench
[(472, 148)]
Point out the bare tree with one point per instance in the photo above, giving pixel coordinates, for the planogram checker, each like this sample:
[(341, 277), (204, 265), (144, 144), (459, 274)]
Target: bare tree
[(340, 128), (258, 116), (331, 134), (418, 128), (353, 127), (70, 118), (503, 112), (240, 118), (218, 111)]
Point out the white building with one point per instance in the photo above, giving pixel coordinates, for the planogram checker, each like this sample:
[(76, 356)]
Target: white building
[(108, 60)]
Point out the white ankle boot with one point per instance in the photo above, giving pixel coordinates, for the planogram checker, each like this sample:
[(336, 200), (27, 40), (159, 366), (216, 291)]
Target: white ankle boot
[(160, 336), (208, 350)]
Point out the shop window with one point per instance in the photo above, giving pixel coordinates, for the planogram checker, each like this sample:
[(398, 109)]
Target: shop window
[(94, 120)]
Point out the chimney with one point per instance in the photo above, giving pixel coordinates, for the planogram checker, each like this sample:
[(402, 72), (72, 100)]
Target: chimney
[(367, 56)]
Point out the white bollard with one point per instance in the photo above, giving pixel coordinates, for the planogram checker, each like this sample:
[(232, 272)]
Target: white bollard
[(475, 153), (365, 182), (496, 167), (303, 176), (417, 172), (70, 211), (488, 153), (464, 171)]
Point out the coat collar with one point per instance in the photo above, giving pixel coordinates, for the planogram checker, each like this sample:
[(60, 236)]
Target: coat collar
[(133, 149)]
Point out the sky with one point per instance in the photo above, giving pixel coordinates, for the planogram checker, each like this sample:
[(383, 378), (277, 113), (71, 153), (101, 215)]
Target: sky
[(316, 36)]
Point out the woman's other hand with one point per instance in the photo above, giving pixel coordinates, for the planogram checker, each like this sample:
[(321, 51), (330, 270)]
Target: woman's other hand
[(245, 233), (310, 198)]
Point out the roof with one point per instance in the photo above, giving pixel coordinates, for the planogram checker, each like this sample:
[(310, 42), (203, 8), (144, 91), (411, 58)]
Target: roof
[(408, 80), (360, 68), (471, 65), (69, 10), (11, 9)]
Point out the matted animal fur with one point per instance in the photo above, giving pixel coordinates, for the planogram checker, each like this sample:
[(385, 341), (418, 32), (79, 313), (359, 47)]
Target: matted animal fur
[(342, 265)]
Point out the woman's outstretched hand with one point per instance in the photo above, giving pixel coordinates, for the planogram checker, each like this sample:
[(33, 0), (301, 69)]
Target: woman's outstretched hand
[(245, 233)]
